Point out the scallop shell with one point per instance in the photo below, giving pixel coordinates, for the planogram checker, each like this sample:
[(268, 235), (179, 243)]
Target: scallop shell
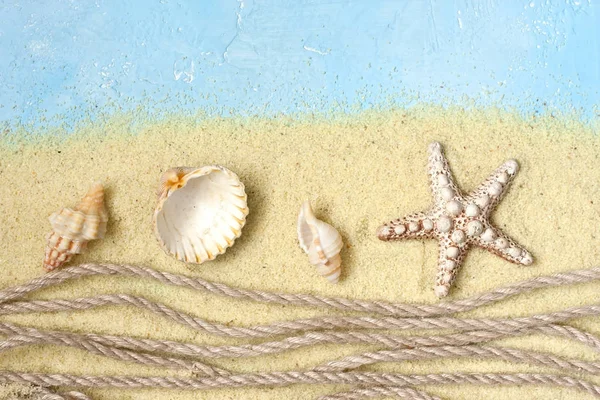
[(73, 228), (200, 212), (322, 242)]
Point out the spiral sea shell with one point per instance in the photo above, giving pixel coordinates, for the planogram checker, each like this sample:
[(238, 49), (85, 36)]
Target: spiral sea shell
[(200, 212), (322, 242), (73, 228)]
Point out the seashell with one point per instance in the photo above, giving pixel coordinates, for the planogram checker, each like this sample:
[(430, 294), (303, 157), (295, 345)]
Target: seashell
[(73, 228), (322, 242), (200, 212)]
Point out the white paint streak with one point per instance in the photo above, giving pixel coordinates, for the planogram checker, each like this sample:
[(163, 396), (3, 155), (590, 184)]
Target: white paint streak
[(435, 45), (184, 72), (239, 13), (460, 24), (313, 50), (238, 28), (107, 75)]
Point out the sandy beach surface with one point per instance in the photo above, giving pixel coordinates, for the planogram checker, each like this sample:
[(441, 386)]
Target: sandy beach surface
[(358, 172)]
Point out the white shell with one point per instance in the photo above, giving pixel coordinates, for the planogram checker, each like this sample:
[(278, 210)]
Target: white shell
[(322, 242), (200, 212)]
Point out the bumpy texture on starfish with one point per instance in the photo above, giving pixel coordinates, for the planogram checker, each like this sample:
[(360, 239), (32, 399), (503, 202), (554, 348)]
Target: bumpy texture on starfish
[(459, 221)]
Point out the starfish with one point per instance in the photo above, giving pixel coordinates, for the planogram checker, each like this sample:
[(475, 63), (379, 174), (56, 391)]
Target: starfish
[(457, 221)]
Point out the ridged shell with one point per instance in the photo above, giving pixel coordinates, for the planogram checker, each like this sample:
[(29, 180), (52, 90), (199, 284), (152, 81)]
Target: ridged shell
[(200, 212), (322, 242), (73, 228)]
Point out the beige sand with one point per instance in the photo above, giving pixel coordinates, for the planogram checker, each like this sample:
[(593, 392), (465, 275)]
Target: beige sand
[(358, 172)]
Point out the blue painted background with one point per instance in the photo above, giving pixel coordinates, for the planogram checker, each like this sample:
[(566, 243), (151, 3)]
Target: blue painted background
[(66, 60)]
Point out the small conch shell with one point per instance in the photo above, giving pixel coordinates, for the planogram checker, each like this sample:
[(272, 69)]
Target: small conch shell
[(73, 228), (322, 242), (200, 212)]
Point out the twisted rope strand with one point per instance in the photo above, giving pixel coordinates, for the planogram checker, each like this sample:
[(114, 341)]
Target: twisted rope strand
[(72, 395), (290, 343), (473, 331), (570, 332), (428, 353), (124, 355), (381, 391), (297, 377), (290, 327), (378, 307)]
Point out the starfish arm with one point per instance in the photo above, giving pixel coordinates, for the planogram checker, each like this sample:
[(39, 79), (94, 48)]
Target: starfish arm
[(497, 242), (417, 225), (487, 196), (450, 259), (442, 182)]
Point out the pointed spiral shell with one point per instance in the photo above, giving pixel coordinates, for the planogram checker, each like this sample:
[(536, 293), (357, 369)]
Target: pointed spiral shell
[(73, 228), (322, 242)]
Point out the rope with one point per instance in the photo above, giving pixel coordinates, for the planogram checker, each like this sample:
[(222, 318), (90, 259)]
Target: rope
[(315, 331), (124, 355), (301, 325), (381, 391), (428, 353), (91, 341), (307, 300), (297, 377), (47, 394)]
